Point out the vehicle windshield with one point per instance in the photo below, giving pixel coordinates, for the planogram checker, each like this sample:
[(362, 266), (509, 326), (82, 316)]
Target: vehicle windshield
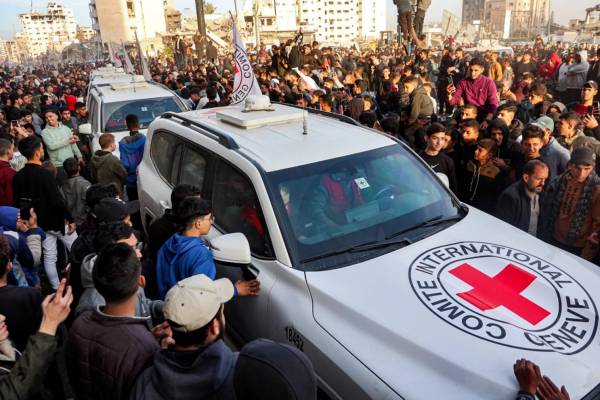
[(113, 114), (360, 199)]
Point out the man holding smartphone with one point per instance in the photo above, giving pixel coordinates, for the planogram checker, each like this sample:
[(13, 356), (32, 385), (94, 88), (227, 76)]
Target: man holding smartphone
[(588, 109), (475, 89), (38, 184), (60, 142)]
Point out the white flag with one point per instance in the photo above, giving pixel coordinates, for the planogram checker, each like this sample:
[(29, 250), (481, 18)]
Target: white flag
[(128, 66), (145, 70), (244, 81), (114, 56)]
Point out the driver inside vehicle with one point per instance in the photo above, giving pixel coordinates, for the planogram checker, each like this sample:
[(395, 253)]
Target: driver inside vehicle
[(241, 212), (116, 120), (338, 191)]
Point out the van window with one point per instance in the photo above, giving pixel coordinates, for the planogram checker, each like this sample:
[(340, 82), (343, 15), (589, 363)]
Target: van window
[(236, 208), (93, 113), (113, 118), (162, 150), (193, 167)]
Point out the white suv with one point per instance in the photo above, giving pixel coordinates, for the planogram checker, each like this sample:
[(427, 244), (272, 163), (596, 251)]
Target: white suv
[(369, 264), (112, 95)]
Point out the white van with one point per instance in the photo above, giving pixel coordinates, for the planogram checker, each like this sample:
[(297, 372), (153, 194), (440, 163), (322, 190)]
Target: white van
[(112, 95)]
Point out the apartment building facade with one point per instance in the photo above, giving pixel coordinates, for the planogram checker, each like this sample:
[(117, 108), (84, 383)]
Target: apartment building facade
[(49, 31), (119, 20), (507, 18)]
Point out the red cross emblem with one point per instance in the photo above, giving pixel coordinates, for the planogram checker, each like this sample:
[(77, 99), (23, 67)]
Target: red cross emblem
[(504, 289)]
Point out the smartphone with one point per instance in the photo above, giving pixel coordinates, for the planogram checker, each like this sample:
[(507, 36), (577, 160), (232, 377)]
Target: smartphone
[(450, 80), (25, 205)]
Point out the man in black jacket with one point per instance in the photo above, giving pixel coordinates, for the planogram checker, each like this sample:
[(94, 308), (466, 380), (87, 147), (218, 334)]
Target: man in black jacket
[(420, 105), (38, 186), (433, 155), (163, 228), (519, 204)]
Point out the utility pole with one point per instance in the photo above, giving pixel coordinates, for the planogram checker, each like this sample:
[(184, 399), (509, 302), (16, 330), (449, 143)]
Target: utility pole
[(256, 23), (201, 50)]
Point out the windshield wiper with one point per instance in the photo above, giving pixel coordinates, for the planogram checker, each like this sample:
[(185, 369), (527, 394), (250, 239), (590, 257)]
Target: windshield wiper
[(430, 222), (381, 244), (388, 241), (391, 239)]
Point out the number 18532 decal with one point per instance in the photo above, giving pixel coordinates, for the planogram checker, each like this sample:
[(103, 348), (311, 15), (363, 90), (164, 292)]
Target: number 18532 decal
[(294, 337)]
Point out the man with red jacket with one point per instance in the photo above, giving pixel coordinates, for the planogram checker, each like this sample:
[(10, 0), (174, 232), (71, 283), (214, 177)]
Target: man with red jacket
[(550, 68), (7, 173)]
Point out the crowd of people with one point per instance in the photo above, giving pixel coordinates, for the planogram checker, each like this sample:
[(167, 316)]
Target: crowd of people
[(94, 306)]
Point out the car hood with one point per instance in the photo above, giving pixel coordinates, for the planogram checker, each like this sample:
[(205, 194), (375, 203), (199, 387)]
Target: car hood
[(447, 316)]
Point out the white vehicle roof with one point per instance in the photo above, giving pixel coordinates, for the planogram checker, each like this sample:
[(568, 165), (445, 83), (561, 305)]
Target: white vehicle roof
[(106, 71), (119, 90), (105, 79), (279, 144)]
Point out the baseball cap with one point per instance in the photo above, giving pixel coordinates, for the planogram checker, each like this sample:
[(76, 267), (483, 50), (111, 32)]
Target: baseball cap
[(583, 156), (112, 209), (544, 122), (193, 302), (591, 84), (285, 370)]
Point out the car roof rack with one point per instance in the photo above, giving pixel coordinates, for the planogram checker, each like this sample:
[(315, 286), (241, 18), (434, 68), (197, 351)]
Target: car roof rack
[(221, 136)]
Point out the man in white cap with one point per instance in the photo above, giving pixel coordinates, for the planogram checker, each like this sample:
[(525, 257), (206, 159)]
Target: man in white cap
[(200, 365)]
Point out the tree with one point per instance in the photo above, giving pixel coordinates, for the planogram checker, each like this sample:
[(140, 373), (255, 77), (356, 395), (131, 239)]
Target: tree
[(209, 8)]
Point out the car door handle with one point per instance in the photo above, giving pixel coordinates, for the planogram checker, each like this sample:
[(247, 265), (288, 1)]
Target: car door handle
[(250, 272)]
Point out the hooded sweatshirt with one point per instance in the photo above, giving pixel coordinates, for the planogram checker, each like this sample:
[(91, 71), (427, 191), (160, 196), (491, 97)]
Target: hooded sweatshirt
[(510, 151), (91, 299), (206, 373), (105, 168), (548, 70), (131, 150), (25, 248), (576, 75), (181, 257), (559, 105)]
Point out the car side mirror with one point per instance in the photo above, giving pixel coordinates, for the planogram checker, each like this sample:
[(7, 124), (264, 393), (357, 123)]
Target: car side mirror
[(444, 178), (85, 129), (232, 248)]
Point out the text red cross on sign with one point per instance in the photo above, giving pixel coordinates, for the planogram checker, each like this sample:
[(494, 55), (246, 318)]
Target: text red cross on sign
[(504, 289)]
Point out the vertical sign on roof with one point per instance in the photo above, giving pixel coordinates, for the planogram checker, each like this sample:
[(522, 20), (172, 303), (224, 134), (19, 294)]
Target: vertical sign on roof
[(145, 70), (244, 81), (128, 66)]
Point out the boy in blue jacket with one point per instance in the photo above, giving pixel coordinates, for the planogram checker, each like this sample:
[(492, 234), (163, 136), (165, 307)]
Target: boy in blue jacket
[(131, 150), (186, 254)]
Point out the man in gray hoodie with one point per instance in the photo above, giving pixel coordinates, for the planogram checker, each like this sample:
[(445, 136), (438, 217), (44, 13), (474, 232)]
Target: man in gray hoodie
[(91, 299), (200, 365)]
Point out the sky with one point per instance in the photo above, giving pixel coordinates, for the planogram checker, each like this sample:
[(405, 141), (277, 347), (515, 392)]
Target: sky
[(9, 21)]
